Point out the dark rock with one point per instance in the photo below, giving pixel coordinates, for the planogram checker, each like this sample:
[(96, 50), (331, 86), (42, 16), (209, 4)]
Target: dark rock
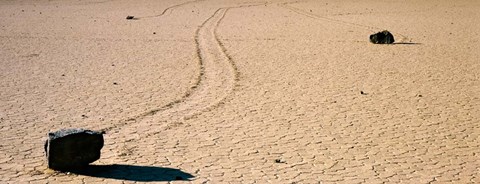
[(383, 37), (72, 149), (130, 17)]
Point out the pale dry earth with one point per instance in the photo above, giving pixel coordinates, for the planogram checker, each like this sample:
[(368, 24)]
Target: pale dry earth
[(244, 91)]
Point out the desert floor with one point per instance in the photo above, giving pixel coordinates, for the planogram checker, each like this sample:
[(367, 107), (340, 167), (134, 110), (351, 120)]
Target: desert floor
[(217, 91)]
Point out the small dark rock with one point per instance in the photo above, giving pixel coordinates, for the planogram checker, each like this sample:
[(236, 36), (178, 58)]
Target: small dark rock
[(73, 149), (154, 33), (363, 93), (84, 116), (63, 75), (115, 83), (383, 37), (279, 161), (420, 95), (130, 17)]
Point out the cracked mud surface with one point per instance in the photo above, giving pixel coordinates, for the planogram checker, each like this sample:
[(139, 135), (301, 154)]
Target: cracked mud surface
[(244, 91)]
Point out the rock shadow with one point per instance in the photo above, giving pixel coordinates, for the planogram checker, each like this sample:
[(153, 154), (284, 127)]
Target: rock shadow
[(134, 173), (405, 43)]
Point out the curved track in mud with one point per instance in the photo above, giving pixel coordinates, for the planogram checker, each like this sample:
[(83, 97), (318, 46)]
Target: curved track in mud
[(216, 80), (218, 73)]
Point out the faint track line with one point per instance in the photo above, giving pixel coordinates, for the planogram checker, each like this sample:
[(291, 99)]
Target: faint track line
[(170, 8), (324, 18)]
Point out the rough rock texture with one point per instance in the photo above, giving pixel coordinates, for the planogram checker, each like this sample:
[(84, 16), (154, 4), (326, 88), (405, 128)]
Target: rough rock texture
[(383, 37), (71, 149)]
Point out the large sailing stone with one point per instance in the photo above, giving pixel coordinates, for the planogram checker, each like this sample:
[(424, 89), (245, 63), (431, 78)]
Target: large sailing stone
[(73, 149), (383, 37)]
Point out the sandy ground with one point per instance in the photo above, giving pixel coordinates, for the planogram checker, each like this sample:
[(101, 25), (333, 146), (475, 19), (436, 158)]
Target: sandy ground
[(244, 91)]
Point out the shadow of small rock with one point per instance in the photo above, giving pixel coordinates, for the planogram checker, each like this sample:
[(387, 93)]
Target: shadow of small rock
[(130, 17), (406, 43), (135, 173)]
